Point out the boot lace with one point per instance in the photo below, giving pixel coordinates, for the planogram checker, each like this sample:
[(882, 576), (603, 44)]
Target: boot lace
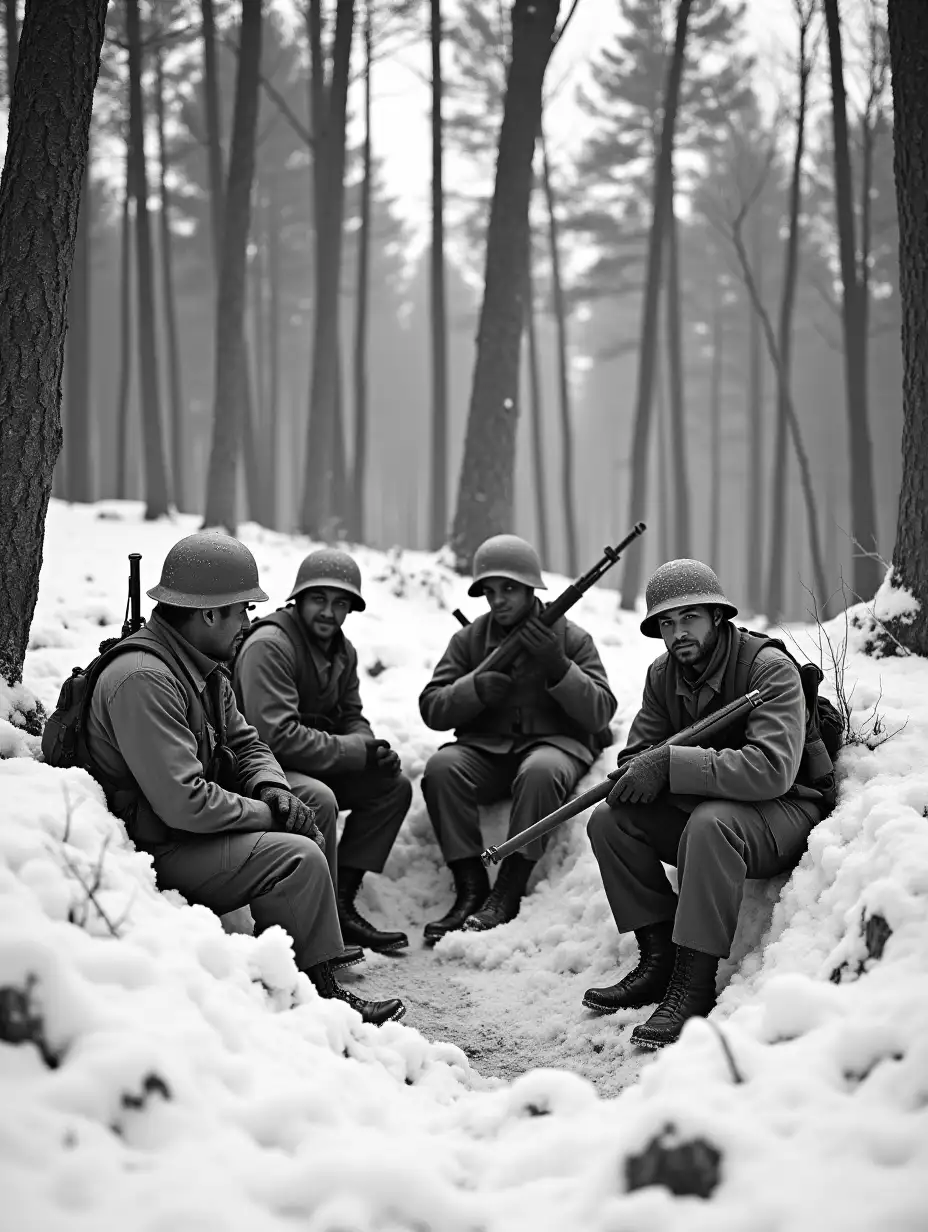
[(676, 991)]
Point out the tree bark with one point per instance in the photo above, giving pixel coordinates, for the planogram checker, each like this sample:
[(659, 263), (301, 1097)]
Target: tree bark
[(320, 490), (157, 496), (12, 43), (77, 425), (665, 503), (867, 571), (675, 367), (908, 46), (438, 514), (755, 433), (647, 354), (229, 408), (40, 193), (359, 470), (213, 132), (560, 317), (537, 413), (178, 444), (485, 490), (125, 337), (715, 445)]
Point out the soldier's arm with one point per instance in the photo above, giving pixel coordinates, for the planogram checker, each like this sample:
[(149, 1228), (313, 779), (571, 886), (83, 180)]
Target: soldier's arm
[(351, 720), (257, 765), (450, 697), (650, 726), (148, 713), (265, 676), (583, 691), (766, 766)]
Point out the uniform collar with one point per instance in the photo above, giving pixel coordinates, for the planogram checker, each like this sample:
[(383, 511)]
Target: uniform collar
[(713, 676), (198, 665)]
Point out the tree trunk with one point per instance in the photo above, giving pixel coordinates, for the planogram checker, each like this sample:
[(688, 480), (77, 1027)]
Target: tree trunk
[(867, 571), (40, 192), (229, 407), (273, 347), (647, 353), (537, 412), (665, 503), (485, 490), (251, 440), (755, 433), (12, 43), (77, 426), (321, 481), (213, 132), (359, 470), (125, 337), (438, 515), (178, 444), (157, 496), (675, 368), (908, 46), (715, 445), (560, 317)]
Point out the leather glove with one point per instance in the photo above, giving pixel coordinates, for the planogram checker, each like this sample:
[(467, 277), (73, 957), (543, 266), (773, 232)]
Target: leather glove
[(642, 779), (289, 811), (545, 648), (492, 687), (381, 759)]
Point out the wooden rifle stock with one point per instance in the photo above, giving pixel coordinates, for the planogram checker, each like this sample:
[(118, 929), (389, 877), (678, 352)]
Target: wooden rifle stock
[(688, 737)]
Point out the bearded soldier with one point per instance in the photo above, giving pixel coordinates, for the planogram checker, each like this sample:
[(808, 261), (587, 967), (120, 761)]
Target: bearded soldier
[(741, 808), (196, 787), (530, 732), (296, 680)]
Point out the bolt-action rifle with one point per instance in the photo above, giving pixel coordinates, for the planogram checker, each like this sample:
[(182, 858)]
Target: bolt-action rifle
[(134, 619), (502, 656), (687, 738)]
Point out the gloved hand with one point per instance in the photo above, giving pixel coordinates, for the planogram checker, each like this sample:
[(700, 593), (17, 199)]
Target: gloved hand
[(642, 779), (545, 648), (381, 759), (492, 687), (292, 814)]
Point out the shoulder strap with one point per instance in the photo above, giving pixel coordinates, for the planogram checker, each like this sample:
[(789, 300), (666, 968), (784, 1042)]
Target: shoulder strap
[(145, 640), (285, 619)]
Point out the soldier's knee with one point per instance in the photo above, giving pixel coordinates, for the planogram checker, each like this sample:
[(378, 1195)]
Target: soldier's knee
[(443, 765), (304, 859), (703, 823), (403, 791), (602, 820)]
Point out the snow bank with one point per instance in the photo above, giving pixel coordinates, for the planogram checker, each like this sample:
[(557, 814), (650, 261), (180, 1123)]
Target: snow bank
[(181, 1078)]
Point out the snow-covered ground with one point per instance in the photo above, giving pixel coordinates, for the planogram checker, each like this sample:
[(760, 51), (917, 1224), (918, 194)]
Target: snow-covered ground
[(189, 1079)]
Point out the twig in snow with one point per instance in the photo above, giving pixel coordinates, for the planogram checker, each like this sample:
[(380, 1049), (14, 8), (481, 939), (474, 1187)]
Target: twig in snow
[(736, 1075)]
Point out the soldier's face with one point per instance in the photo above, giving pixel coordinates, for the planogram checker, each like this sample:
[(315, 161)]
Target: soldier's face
[(323, 611), (690, 634), (222, 634), (509, 601)]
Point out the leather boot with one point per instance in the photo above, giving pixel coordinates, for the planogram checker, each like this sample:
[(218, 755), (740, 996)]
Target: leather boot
[(355, 929), (645, 983), (471, 886), (502, 904), (690, 994), (375, 1012), (350, 955)]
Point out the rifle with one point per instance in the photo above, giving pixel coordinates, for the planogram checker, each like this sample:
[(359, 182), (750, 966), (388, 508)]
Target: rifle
[(134, 618), (504, 655), (687, 738)]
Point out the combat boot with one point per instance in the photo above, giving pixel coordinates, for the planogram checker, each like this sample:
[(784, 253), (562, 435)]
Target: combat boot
[(355, 929), (645, 983), (374, 1012), (690, 994), (504, 899), (350, 955), (471, 886)]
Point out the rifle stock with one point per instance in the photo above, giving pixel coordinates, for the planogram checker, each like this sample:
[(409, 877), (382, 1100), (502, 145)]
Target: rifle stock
[(687, 738)]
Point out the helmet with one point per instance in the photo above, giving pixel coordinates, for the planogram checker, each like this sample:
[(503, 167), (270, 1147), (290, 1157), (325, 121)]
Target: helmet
[(329, 567), (506, 556), (208, 569), (682, 583)]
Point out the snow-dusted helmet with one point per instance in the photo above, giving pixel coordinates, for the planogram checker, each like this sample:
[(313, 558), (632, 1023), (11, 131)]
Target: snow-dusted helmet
[(682, 583), (208, 569), (329, 567), (506, 556)]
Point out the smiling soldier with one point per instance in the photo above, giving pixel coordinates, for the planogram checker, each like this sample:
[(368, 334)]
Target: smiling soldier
[(531, 733), (296, 679)]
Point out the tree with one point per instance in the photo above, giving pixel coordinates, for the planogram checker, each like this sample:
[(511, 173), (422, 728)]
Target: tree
[(78, 470), (485, 490), (40, 193), (908, 45), (12, 42), (663, 183), (125, 336), (230, 375), (438, 513), (359, 469)]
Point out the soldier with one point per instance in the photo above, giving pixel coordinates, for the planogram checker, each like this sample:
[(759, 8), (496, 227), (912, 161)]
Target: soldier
[(296, 680), (195, 786), (531, 733), (742, 808)]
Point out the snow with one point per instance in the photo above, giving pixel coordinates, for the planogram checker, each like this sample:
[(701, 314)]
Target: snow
[(193, 1080)]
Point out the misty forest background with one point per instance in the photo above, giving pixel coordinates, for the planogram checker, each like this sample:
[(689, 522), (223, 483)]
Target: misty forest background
[(139, 365)]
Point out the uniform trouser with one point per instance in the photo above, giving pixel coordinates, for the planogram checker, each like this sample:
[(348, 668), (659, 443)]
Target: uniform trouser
[(458, 778), (715, 847), (282, 877), (378, 804)]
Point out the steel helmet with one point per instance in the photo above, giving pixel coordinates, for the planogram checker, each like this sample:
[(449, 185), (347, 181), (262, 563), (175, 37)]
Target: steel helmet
[(506, 556), (682, 583), (208, 569), (329, 567)]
